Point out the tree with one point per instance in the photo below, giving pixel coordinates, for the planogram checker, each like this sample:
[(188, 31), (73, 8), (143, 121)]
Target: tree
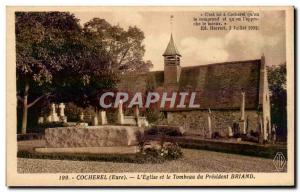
[(45, 43), (278, 97), (108, 51), (56, 57), (124, 48)]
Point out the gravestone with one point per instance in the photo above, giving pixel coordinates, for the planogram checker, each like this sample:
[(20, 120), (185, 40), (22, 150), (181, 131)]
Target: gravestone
[(230, 132), (209, 134), (137, 116), (120, 113), (41, 120), (62, 116), (103, 118), (242, 122), (95, 120), (53, 117), (81, 116)]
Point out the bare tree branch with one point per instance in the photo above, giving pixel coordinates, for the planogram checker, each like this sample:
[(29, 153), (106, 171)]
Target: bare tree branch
[(20, 98), (38, 99), (122, 58)]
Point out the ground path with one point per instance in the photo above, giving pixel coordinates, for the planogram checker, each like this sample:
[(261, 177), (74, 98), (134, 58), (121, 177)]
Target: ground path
[(192, 161)]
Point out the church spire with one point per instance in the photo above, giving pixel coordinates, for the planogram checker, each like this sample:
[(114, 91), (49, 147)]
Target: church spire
[(171, 49), (172, 69)]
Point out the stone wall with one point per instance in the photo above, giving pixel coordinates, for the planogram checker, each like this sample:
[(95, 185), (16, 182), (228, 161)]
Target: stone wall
[(195, 122)]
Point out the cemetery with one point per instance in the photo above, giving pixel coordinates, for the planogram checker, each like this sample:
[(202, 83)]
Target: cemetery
[(130, 139), (176, 115)]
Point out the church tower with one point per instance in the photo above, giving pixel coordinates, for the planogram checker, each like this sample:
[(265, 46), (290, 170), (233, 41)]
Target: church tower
[(172, 68)]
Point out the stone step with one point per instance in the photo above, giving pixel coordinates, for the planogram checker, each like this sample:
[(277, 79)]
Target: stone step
[(90, 150)]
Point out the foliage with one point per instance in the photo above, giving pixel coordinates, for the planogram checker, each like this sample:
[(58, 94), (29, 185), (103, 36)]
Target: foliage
[(41, 128), (45, 43), (124, 48), (164, 130), (278, 98), (159, 152), (153, 115), (58, 60), (74, 111)]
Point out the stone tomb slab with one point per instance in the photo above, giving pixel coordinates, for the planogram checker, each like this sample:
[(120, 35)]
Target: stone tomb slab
[(92, 136), (90, 150)]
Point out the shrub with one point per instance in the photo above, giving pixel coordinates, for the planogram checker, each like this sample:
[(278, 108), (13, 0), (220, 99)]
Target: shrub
[(153, 115), (73, 111), (40, 128), (161, 151), (167, 130)]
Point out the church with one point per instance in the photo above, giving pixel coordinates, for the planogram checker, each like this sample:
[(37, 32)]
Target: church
[(233, 96)]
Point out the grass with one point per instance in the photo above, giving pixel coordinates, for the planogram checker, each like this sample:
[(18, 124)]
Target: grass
[(256, 151), (138, 158), (128, 158)]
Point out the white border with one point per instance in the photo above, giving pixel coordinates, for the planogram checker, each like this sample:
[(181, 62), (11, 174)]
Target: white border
[(5, 3)]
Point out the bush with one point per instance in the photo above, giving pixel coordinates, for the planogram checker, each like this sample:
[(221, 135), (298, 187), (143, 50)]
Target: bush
[(159, 152), (40, 128), (154, 115), (172, 151), (73, 111), (165, 130)]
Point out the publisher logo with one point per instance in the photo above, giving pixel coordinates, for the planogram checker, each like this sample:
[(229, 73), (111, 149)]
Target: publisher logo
[(279, 161)]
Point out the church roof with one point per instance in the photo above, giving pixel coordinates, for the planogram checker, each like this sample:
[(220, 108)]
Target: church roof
[(218, 86), (171, 48)]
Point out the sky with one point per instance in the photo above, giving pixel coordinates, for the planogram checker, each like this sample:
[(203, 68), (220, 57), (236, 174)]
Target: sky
[(199, 47)]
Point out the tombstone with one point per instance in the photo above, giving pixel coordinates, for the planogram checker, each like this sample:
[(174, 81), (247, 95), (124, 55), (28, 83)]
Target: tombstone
[(41, 120), (62, 116), (95, 120), (103, 119), (236, 130), (49, 119), (273, 134), (261, 130), (209, 124), (61, 109), (242, 121), (137, 115), (136, 111), (53, 117), (230, 132), (146, 123), (81, 116), (242, 125), (243, 106), (120, 113)]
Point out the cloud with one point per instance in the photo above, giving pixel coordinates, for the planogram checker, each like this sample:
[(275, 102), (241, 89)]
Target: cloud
[(126, 19), (196, 47), (123, 18), (243, 45), (233, 46), (208, 50), (155, 46)]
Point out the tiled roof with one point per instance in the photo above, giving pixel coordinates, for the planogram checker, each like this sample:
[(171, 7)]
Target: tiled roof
[(218, 85), (171, 48)]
